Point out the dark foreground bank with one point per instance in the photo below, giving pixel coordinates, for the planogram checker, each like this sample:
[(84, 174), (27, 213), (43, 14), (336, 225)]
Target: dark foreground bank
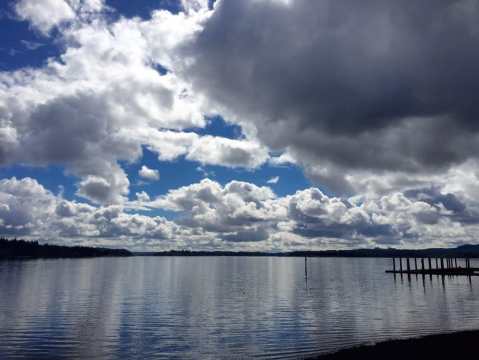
[(447, 346)]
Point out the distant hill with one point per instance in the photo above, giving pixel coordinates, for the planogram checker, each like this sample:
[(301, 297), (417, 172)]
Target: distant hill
[(461, 251), (471, 251), (21, 249)]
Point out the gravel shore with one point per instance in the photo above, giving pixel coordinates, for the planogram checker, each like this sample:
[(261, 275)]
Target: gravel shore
[(446, 346)]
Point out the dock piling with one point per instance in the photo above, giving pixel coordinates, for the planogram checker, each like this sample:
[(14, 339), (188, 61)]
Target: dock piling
[(445, 266)]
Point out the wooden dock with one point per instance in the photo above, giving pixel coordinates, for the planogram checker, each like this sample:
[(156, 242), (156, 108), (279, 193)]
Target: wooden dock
[(433, 266)]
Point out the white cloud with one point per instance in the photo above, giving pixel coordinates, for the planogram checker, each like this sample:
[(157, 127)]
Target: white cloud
[(207, 150), (110, 188), (142, 196), (29, 210), (194, 5), (213, 150), (149, 174), (24, 203), (44, 14), (228, 212), (284, 159), (273, 180)]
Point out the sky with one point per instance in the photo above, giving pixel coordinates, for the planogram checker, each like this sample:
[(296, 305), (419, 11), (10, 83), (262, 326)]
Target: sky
[(268, 125)]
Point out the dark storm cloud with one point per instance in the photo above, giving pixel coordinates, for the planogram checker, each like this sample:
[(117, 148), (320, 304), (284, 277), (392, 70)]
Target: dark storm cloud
[(368, 85)]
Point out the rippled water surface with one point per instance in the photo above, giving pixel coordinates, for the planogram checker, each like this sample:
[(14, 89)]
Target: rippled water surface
[(218, 307)]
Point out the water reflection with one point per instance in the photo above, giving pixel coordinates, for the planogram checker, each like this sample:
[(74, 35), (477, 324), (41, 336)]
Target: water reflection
[(218, 306)]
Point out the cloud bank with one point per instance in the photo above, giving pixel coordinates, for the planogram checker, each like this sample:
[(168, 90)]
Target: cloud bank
[(239, 216)]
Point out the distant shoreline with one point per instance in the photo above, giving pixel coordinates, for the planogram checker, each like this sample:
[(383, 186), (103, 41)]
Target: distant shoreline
[(470, 251), (441, 346), (21, 249)]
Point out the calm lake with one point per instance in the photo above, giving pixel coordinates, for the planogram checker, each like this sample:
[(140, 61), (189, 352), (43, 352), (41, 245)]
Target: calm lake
[(219, 307)]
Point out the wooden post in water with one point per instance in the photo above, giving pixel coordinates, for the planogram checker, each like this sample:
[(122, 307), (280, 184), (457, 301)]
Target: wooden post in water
[(422, 264), (455, 261), (408, 266), (400, 264), (306, 268), (430, 265), (415, 264), (394, 264), (442, 264), (437, 265)]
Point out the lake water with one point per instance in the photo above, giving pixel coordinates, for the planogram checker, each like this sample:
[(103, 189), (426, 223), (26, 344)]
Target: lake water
[(218, 307)]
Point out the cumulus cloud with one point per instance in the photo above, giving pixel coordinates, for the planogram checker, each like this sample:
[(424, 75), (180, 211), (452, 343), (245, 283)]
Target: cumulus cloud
[(23, 204), (44, 14), (29, 210), (142, 196), (229, 213), (207, 149), (214, 150), (194, 5), (149, 174), (244, 212)]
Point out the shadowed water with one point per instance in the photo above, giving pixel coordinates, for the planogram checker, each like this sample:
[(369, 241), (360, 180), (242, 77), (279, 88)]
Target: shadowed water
[(201, 307)]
